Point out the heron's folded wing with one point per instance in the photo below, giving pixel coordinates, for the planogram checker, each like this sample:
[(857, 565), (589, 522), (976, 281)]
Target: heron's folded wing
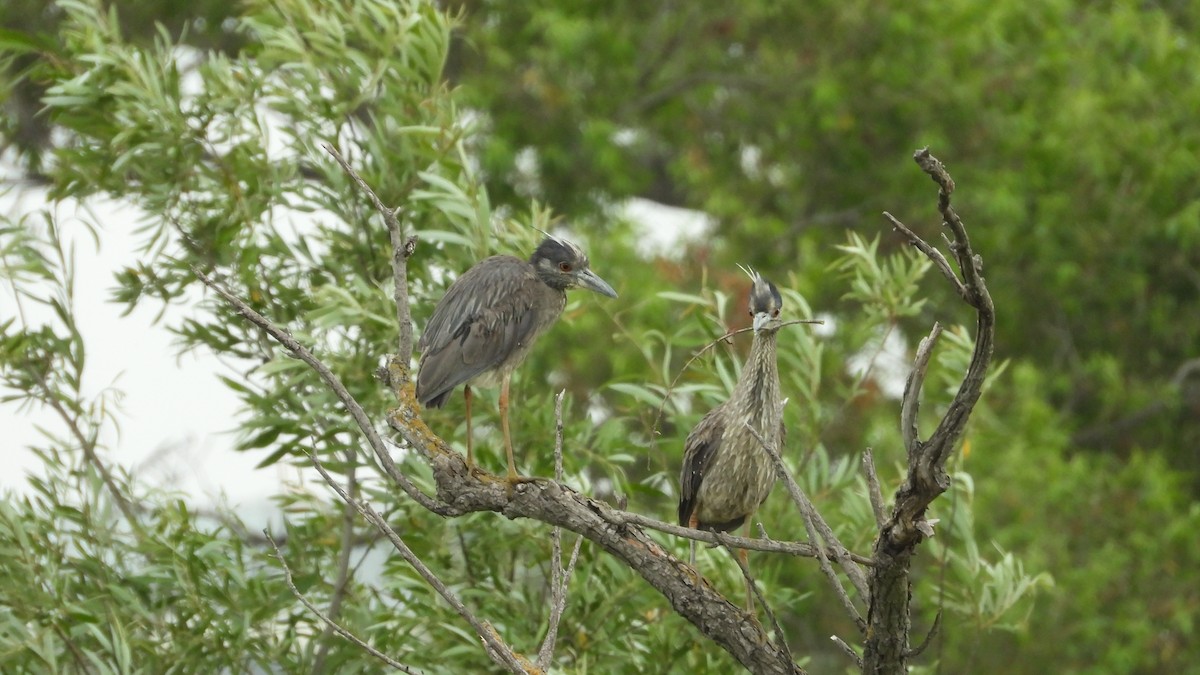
[(699, 450), (490, 307)]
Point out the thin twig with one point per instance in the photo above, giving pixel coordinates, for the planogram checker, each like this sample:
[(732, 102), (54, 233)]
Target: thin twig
[(849, 651), (559, 600), (779, 637), (402, 249), (287, 576), (813, 523), (496, 647), (873, 490), (346, 548), (932, 253), (799, 549), (933, 631), (335, 385), (843, 556), (559, 577), (911, 402), (88, 446), (558, 435)]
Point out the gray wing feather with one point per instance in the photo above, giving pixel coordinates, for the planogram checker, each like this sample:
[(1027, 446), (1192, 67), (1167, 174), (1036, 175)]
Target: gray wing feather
[(477, 289), (484, 316), (699, 449)]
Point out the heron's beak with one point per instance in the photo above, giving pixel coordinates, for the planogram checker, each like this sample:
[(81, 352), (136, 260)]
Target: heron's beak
[(760, 320), (588, 279)]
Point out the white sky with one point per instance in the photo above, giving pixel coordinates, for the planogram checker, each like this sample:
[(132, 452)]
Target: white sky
[(175, 415)]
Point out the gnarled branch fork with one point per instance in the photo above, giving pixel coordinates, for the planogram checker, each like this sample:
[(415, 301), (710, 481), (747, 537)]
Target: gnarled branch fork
[(887, 649)]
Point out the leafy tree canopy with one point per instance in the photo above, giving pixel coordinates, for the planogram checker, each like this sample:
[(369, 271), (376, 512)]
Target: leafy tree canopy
[(1069, 129)]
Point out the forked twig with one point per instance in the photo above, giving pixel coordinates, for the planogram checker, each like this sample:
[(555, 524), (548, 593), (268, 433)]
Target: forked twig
[(333, 625), (762, 600), (497, 649), (402, 250), (818, 530), (335, 385), (560, 577)]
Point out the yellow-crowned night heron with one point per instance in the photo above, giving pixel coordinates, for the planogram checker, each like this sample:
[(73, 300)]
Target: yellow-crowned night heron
[(726, 473), (484, 326)]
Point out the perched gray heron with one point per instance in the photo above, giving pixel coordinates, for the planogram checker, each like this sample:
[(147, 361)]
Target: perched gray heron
[(484, 326), (726, 472)]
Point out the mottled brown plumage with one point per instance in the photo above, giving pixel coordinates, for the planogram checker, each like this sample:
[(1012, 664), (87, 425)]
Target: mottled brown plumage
[(485, 325), (726, 472)]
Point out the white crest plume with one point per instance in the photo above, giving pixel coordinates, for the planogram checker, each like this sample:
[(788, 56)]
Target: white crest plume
[(755, 277), (569, 245)]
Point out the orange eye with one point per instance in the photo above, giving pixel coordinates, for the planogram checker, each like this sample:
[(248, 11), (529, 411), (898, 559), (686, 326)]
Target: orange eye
[(564, 266)]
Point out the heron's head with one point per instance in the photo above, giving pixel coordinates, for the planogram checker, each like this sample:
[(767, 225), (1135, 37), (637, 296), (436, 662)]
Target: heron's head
[(765, 303), (562, 265)]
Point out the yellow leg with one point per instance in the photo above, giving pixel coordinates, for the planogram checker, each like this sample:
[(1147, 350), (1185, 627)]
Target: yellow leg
[(470, 452), (508, 450)]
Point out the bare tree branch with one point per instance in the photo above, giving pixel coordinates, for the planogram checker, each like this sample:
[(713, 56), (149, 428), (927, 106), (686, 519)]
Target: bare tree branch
[(873, 490), (402, 249), (337, 628), (888, 617), (911, 405), (335, 385), (815, 525), (933, 631), (560, 578), (497, 649), (933, 254), (345, 550), (848, 650), (558, 597), (797, 548), (780, 639)]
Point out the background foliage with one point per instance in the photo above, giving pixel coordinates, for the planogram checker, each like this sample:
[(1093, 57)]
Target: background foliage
[(1067, 125)]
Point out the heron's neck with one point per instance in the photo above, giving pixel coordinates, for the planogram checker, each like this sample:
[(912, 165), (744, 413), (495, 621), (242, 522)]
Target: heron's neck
[(759, 382)]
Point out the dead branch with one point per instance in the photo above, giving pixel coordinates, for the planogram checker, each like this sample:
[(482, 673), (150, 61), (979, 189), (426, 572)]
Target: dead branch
[(889, 619), (335, 385), (402, 250), (333, 625), (847, 649), (799, 549), (817, 533), (873, 490), (560, 577), (345, 549), (496, 648)]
